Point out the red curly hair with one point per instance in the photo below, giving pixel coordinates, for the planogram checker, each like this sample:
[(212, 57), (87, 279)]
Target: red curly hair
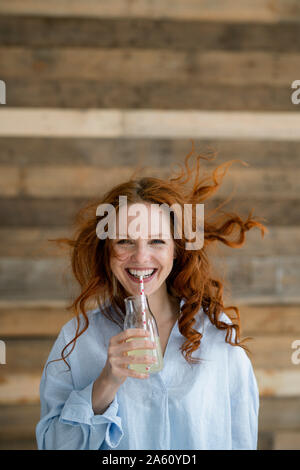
[(191, 277)]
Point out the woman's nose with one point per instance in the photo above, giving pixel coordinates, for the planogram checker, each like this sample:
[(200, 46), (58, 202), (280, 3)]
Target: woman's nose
[(141, 253)]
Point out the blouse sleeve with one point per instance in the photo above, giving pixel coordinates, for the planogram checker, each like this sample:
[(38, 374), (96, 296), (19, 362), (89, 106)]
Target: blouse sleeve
[(244, 400), (67, 420)]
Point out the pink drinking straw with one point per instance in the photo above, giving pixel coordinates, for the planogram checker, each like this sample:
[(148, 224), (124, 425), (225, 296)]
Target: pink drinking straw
[(143, 300), (143, 304)]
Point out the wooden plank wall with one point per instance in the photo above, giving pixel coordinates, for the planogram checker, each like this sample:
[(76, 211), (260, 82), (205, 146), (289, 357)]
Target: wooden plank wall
[(96, 87)]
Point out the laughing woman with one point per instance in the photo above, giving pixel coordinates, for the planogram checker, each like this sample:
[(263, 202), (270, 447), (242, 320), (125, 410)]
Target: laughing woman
[(206, 395)]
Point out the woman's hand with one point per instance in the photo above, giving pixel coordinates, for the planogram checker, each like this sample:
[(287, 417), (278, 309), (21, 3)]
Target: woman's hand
[(116, 371), (116, 368)]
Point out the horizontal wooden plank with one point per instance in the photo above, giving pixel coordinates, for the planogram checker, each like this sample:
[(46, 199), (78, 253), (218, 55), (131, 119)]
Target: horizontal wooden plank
[(60, 212), (156, 65), (106, 123), (18, 421), (24, 388), (71, 182), (271, 358), (84, 181), (149, 123), (28, 355), (270, 319), (265, 442), (227, 10), (279, 383), (35, 321), (10, 181), (25, 356), (31, 212), (276, 415), (28, 151), (267, 352), (19, 389), (74, 93), (41, 319), (277, 241), (36, 279), (274, 277), (36, 318), (33, 242), (279, 414), (274, 352), (285, 440), (19, 444), (148, 33)]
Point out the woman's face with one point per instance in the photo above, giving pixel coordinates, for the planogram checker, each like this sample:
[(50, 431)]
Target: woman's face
[(150, 253)]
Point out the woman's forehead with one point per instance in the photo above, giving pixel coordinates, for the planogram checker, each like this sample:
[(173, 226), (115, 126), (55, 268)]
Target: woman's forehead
[(150, 219)]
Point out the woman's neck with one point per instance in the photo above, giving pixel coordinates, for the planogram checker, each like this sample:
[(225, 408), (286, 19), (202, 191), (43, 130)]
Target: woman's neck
[(164, 307)]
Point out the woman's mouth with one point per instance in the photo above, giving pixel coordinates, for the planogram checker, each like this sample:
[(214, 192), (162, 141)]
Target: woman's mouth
[(134, 274)]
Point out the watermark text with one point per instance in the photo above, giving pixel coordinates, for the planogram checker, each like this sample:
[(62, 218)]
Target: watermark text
[(295, 358), (295, 97), (2, 92), (2, 352), (159, 222)]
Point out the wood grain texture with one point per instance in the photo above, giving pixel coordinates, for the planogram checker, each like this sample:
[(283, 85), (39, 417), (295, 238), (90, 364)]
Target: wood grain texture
[(24, 388), (276, 414), (32, 212), (243, 278), (285, 440), (279, 383), (18, 422), (270, 320), (29, 322), (27, 353), (278, 424), (95, 90), (18, 444), (35, 242), (159, 66), (49, 122), (87, 181), (45, 212), (36, 279), (228, 10), (279, 414), (147, 33), (75, 93), (19, 389), (40, 319), (31, 151)]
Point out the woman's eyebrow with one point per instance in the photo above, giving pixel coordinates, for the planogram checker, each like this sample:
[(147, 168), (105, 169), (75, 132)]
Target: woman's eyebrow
[(159, 235)]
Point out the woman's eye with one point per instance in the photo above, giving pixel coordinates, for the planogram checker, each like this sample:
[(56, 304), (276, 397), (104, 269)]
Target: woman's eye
[(126, 241)]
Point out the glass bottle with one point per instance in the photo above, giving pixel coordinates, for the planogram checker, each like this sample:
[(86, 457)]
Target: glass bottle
[(135, 306)]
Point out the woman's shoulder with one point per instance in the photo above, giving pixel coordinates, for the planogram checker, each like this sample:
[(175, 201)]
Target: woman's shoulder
[(217, 337)]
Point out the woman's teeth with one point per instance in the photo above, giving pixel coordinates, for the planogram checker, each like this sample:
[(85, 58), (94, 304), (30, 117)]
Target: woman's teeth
[(146, 273)]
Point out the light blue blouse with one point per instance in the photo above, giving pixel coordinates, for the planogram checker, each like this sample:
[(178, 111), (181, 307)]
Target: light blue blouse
[(210, 405)]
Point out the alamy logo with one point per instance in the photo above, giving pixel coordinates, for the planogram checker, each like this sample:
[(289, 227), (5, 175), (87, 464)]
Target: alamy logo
[(2, 352), (296, 354), (2, 92), (160, 216), (296, 94)]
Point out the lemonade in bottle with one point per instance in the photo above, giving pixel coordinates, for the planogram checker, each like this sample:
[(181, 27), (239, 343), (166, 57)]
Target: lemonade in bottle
[(139, 315)]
